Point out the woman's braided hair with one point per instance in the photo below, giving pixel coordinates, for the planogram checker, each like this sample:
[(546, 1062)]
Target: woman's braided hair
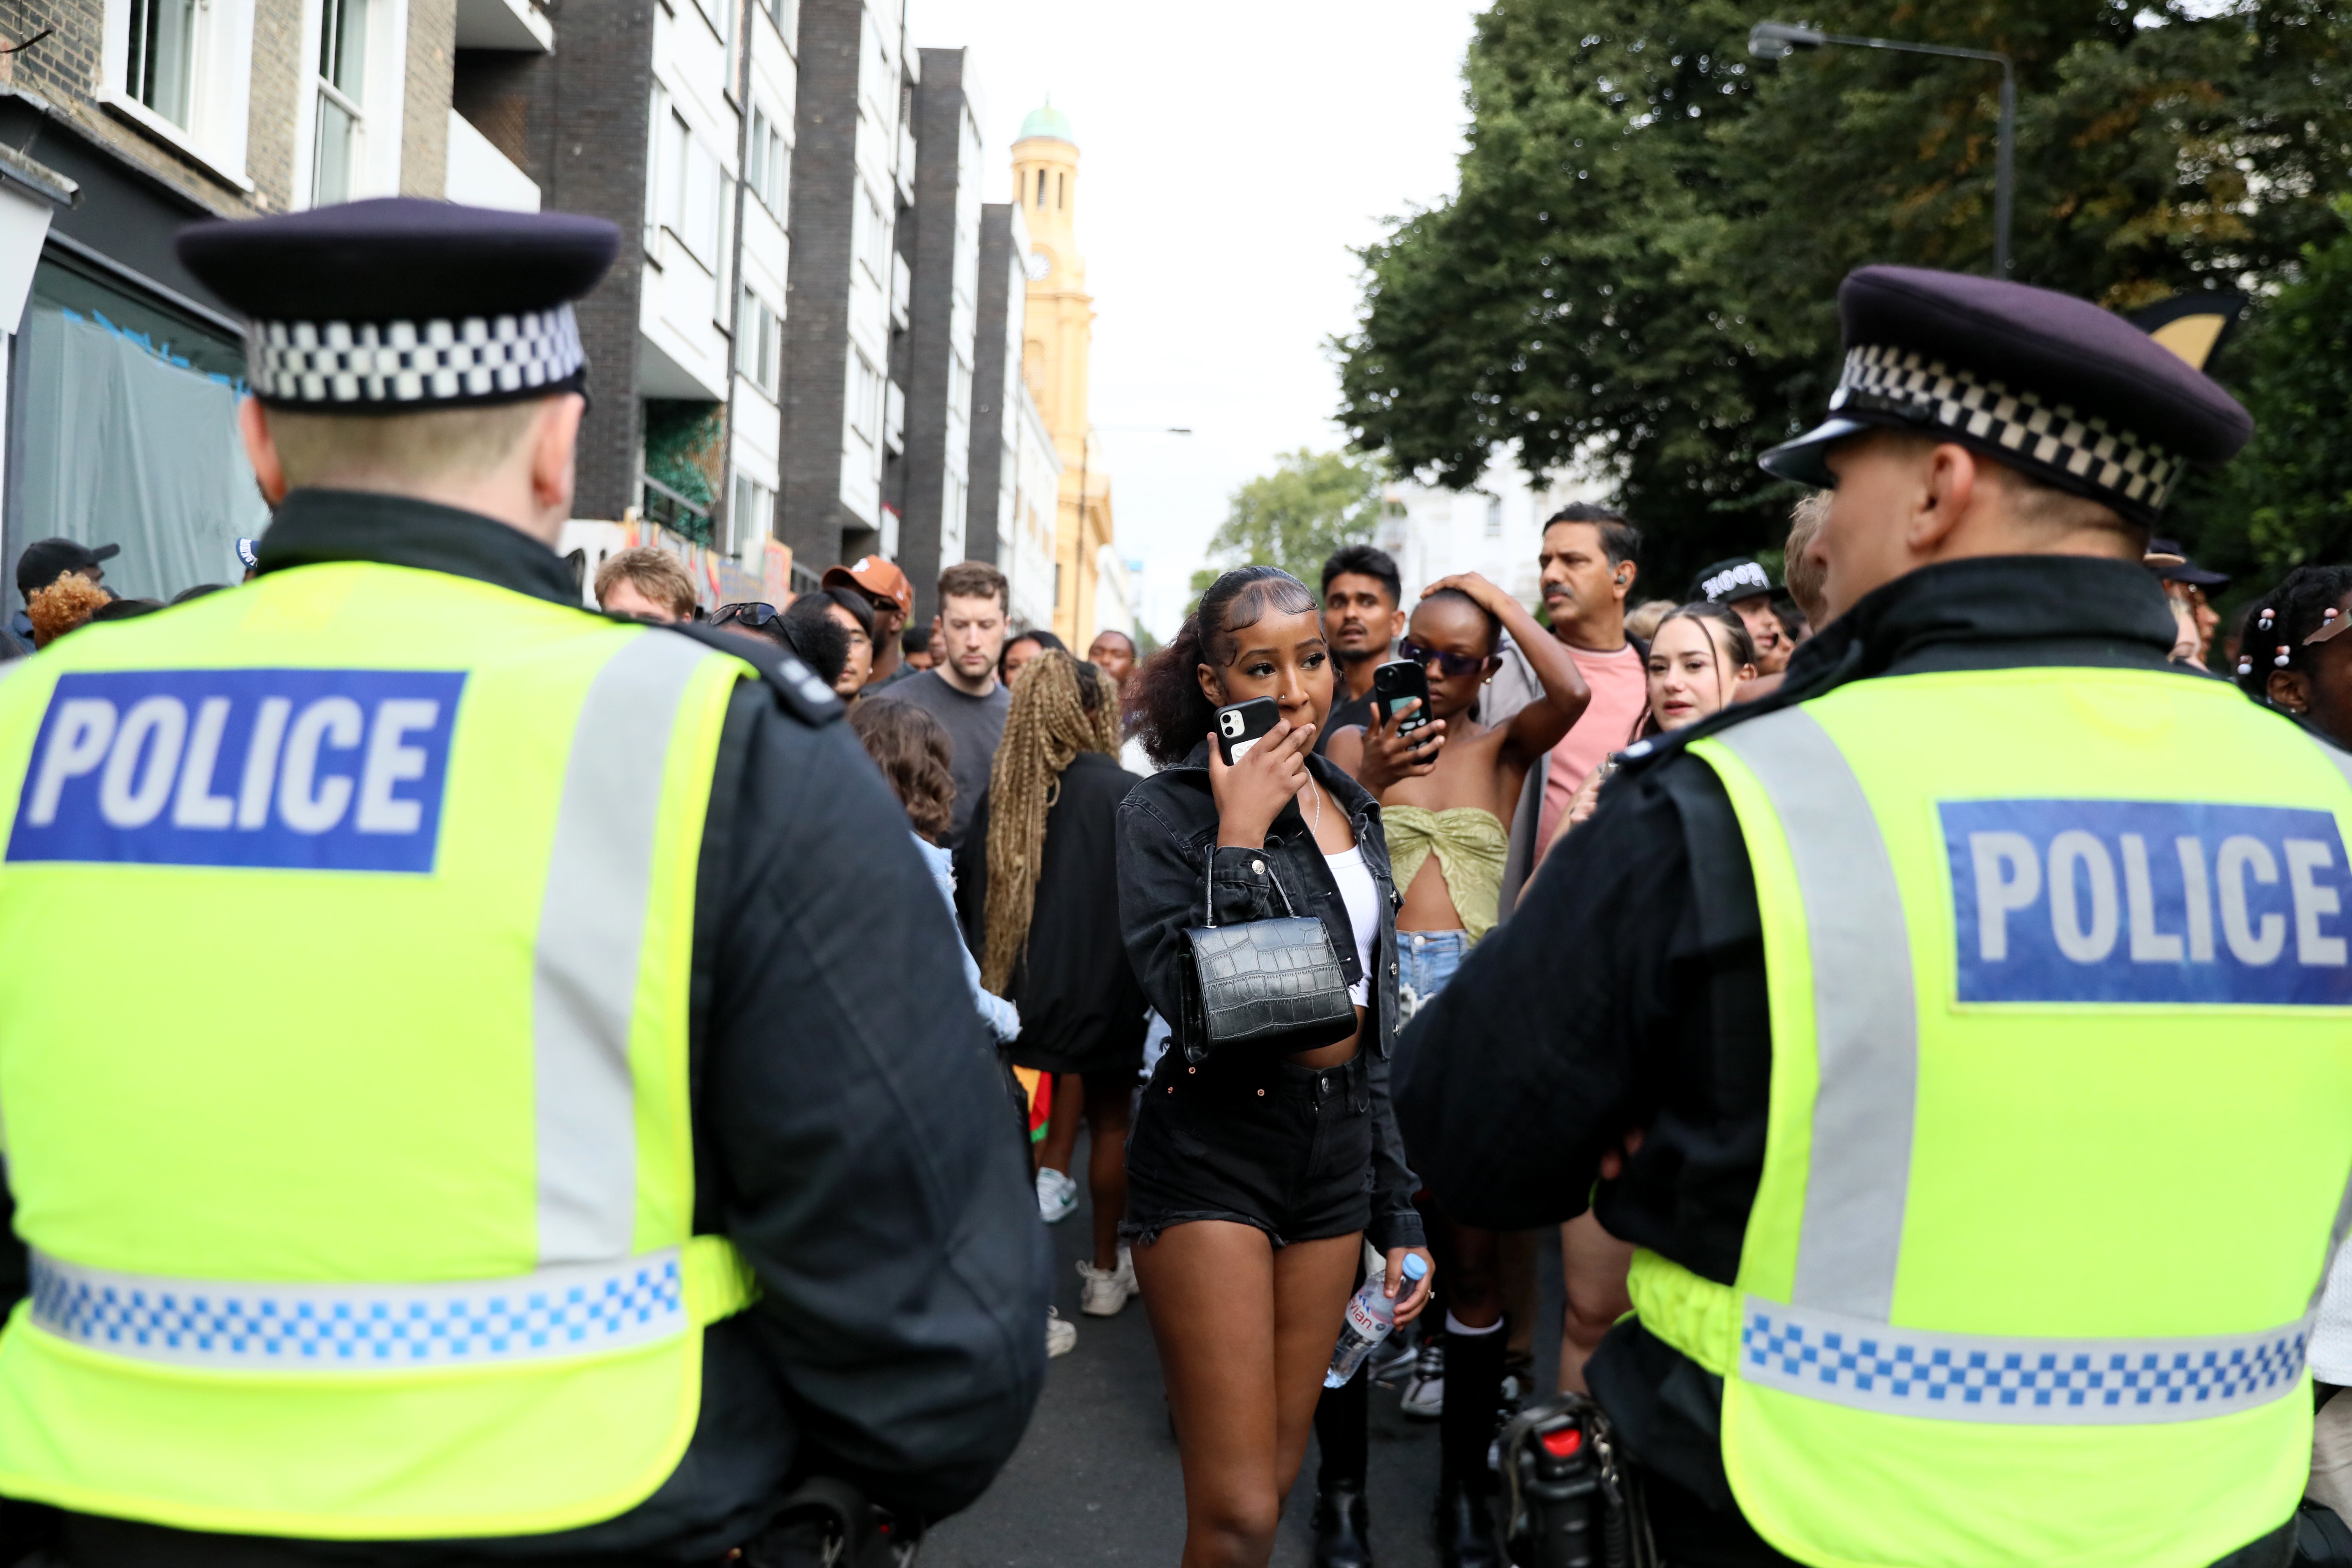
[(2270, 636), (1059, 708)]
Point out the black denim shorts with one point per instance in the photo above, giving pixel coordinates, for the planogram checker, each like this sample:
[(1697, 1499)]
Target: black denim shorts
[(1260, 1142)]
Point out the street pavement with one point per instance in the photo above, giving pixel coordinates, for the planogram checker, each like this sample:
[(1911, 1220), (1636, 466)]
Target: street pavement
[(1096, 1480)]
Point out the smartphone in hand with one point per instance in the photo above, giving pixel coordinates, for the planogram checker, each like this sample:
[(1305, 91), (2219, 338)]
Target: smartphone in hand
[(1244, 724), (1397, 683)]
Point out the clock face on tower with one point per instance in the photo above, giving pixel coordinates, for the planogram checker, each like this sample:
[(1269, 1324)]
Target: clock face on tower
[(1040, 262)]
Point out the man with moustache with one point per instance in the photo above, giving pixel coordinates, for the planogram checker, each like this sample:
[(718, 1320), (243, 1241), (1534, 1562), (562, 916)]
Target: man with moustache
[(1591, 556), (1362, 619)]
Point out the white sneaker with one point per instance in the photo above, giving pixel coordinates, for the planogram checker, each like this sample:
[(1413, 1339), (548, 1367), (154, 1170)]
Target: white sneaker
[(1061, 1337), (1106, 1290), (1424, 1390), (1057, 1196)]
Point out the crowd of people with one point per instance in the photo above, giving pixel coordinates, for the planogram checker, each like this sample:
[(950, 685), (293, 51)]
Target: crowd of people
[(1079, 822), (530, 1107)]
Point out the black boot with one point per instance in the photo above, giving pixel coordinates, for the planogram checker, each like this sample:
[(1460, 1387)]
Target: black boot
[(1342, 1528), (1465, 1528), (1465, 1518)]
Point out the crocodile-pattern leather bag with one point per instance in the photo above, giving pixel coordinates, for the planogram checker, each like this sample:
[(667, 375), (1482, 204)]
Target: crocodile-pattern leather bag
[(1272, 984)]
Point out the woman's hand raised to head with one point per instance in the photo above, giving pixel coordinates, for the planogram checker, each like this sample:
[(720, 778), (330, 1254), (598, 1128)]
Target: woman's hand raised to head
[(1252, 793)]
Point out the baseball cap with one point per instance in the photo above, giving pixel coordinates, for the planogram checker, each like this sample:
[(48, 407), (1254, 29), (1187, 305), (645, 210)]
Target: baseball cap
[(46, 560), (1741, 577), (876, 578)]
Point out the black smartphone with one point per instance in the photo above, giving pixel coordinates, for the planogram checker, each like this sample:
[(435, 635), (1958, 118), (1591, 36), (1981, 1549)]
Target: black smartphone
[(1244, 725), (1398, 683)]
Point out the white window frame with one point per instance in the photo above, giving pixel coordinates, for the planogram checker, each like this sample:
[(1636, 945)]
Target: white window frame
[(220, 86), (657, 180), (865, 398), (760, 343), (770, 175), (380, 120)]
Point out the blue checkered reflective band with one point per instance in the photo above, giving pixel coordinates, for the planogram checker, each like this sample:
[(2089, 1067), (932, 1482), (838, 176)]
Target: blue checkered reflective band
[(332, 770), (1900, 1370), (575, 1309), (2152, 901)]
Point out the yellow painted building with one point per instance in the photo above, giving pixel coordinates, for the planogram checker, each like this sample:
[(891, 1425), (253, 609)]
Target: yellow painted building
[(1057, 339)]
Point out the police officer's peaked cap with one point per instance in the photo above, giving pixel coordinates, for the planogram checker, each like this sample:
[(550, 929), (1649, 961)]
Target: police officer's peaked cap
[(2047, 384), (403, 305)]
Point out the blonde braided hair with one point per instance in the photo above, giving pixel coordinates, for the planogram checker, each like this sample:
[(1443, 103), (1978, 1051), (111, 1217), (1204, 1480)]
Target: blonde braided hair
[(1049, 722)]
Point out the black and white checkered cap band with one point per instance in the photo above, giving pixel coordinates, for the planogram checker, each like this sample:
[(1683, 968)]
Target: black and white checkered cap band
[(2137, 473), (477, 359)]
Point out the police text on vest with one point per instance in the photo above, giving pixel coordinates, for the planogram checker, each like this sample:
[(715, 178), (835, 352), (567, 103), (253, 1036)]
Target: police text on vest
[(2108, 900), (336, 770)]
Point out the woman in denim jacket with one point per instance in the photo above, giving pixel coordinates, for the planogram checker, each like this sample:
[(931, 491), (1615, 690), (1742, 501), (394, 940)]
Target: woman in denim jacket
[(1255, 1178)]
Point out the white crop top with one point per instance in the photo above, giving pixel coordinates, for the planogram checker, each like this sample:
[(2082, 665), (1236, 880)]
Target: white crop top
[(1363, 900)]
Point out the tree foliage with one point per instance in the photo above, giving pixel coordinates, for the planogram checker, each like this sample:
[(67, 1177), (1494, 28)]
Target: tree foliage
[(1637, 272), (1295, 516), (2288, 498)]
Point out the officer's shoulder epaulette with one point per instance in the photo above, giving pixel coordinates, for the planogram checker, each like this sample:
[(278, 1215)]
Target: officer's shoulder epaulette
[(804, 696)]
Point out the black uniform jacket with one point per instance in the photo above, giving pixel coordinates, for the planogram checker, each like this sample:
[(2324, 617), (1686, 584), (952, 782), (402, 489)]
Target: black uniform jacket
[(1627, 991), (1170, 864), (850, 1127)]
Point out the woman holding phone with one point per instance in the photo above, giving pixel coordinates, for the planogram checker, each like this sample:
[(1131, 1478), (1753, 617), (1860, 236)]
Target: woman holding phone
[(1254, 1177)]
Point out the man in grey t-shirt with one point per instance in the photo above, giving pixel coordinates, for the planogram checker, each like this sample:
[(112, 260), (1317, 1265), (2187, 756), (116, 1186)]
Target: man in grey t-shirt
[(964, 693)]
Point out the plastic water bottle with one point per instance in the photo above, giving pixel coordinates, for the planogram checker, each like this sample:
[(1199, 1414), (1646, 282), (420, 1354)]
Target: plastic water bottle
[(1371, 1318)]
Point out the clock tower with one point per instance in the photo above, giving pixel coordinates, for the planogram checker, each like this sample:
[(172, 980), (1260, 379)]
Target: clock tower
[(1056, 340)]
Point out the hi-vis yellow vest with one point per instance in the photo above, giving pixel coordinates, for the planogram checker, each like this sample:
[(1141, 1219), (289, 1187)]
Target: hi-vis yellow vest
[(345, 934), (2061, 1121)]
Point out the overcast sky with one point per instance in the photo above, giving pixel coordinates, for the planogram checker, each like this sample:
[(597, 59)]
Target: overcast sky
[(1231, 153)]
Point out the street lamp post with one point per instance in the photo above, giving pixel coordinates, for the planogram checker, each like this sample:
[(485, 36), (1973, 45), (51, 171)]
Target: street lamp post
[(1778, 41)]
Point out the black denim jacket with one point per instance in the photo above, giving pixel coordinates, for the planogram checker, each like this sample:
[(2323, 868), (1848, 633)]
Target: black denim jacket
[(1168, 845)]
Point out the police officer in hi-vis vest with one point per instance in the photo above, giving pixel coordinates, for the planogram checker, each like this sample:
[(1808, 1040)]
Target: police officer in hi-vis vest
[(1980, 1000), (479, 1078)]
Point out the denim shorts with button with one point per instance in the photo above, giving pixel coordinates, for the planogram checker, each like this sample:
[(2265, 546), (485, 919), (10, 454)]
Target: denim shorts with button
[(1426, 961), (1257, 1141)]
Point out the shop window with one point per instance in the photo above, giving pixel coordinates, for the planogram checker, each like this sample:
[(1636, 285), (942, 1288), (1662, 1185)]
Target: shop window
[(125, 433)]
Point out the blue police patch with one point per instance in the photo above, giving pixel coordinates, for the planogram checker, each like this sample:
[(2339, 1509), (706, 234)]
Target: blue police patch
[(2125, 900), (332, 770)]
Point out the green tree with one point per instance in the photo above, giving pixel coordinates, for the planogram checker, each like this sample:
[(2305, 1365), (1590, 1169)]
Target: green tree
[(1637, 272), (2287, 499), (1295, 516)]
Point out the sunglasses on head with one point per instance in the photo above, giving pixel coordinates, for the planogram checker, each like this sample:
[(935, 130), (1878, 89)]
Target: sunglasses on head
[(1453, 664), (750, 613)]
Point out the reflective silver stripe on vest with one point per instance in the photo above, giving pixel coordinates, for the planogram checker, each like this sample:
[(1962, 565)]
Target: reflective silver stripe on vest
[(592, 929), (2014, 1381), (567, 1312), (1865, 1019)]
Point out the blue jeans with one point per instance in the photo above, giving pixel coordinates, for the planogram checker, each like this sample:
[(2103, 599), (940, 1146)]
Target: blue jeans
[(1426, 961)]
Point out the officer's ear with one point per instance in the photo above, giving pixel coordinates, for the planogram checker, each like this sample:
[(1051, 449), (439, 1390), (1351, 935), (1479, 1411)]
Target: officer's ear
[(261, 448), (555, 453), (2289, 690), (1948, 481)]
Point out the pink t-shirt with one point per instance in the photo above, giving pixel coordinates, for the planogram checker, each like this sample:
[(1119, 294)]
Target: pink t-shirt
[(1620, 691)]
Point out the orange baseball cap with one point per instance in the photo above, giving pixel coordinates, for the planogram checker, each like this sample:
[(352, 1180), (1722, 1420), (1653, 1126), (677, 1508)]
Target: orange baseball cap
[(876, 578)]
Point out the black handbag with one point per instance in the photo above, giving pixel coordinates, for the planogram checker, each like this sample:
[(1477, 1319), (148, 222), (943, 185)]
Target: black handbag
[(1273, 984)]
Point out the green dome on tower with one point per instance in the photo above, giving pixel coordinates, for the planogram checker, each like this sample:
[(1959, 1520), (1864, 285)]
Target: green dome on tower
[(1048, 121)]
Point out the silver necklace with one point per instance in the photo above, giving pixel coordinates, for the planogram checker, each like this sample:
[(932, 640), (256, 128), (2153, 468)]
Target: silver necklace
[(1316, 828)]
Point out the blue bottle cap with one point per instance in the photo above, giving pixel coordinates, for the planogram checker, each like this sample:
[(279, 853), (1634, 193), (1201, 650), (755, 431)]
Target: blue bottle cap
[(1414, 1265)]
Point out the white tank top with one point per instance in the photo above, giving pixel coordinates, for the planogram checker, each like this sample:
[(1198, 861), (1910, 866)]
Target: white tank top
[(1362, 897)]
